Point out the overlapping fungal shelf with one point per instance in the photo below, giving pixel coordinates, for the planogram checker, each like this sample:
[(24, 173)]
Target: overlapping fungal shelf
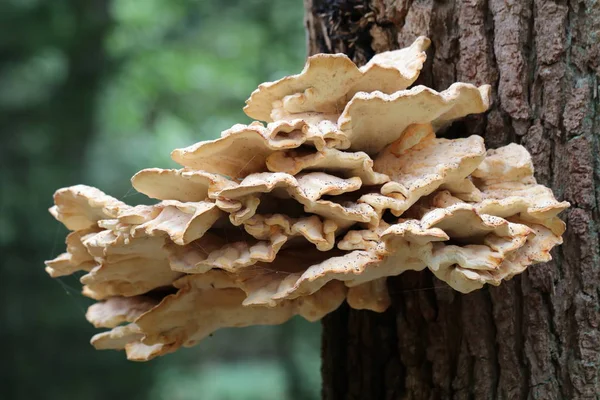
[(344, 185)]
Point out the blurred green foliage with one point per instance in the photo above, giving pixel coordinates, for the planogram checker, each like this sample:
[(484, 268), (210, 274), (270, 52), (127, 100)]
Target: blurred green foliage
[(90, 92)]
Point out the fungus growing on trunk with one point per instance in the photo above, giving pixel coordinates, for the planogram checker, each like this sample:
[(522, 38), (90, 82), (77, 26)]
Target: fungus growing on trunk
[(345, 186)]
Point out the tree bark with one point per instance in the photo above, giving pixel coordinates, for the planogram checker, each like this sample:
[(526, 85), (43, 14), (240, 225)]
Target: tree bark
[(536, 336)]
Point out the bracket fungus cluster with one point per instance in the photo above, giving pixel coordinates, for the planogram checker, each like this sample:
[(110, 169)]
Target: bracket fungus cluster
[(344, 185)]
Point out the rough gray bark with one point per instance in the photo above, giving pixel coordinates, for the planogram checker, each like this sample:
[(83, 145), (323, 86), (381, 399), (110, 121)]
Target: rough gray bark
[(537, 336)]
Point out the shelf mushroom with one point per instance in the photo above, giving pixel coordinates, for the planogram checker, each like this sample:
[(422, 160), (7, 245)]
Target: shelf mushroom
[(345, 185)]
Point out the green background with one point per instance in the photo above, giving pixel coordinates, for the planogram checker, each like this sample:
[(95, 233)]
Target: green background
[(90, 92)]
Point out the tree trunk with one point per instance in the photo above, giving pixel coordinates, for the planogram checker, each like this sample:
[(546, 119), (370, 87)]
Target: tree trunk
[(536, 336)]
